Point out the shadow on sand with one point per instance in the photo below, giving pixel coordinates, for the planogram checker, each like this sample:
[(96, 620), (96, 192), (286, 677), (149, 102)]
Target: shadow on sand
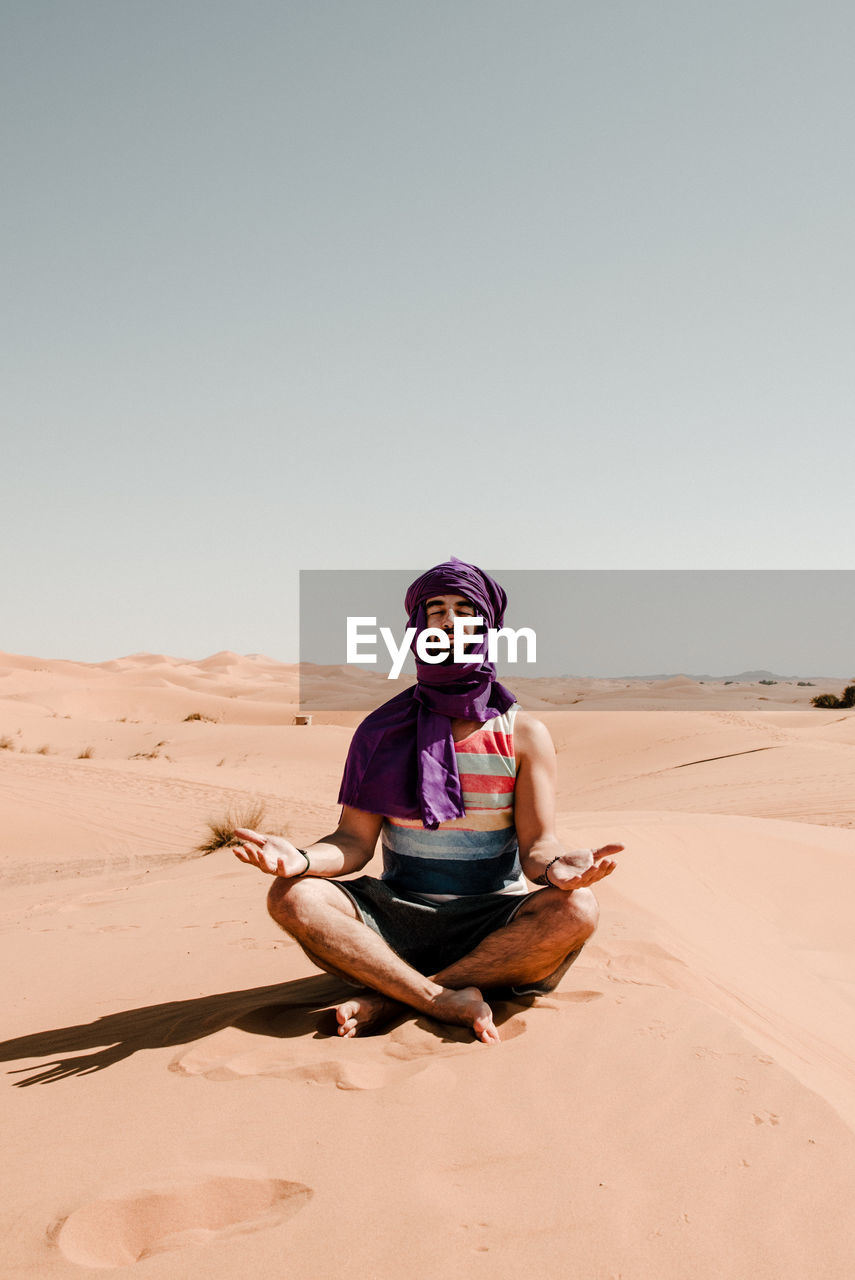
[(300, 1008), (285, 1010)]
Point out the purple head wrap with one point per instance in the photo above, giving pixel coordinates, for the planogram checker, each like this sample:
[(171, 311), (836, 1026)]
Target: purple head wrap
[(402, 761)]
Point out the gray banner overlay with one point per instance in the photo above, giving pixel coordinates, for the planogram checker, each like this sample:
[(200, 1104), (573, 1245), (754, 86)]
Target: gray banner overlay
[(706, 627)]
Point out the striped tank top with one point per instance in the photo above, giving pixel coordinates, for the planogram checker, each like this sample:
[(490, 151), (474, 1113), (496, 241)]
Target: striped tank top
[(477, 853)]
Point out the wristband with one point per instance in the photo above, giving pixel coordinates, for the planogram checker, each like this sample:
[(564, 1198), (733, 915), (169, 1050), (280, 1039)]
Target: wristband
[(557, 858), (307, 867)]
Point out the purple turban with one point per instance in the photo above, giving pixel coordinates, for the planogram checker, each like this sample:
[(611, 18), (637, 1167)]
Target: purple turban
[(402, 761)]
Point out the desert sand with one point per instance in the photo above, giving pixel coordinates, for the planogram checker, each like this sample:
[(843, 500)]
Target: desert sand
[(682, 1108)]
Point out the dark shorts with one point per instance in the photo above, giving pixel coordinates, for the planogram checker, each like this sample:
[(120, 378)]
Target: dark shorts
[(430, 936)]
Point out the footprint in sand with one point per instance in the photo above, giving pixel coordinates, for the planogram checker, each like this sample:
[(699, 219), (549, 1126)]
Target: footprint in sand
[(657, 1028), (94, 899), (120, 1230), (556, 998), (234, 1055), (647, 965)]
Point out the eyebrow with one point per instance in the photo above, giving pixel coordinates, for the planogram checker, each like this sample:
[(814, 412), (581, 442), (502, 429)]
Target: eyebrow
[(460, 602)]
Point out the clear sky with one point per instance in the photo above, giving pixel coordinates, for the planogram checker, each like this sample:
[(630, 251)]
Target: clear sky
[(358, 284)]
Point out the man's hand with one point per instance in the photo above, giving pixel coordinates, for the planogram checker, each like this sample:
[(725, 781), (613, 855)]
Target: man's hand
[(273, 854), (582, 867)]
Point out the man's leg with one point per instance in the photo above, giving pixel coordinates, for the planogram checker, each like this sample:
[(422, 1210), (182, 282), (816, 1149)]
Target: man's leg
[(323, 920), (547, 928), (533, 947)]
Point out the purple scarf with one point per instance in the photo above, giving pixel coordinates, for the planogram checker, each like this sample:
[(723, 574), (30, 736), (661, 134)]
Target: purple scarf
[(402, 760)]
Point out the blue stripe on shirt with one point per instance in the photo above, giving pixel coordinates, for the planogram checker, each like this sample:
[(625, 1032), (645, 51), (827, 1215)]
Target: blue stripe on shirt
[(451, 861)]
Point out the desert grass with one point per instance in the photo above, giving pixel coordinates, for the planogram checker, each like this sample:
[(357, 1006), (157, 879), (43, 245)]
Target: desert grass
[(197, 715), (222, 831), (154, 754), (44, 750), (86, 754), (7, 743)]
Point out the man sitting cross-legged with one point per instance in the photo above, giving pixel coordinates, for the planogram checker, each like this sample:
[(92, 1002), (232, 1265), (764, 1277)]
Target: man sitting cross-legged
[(464, 805)]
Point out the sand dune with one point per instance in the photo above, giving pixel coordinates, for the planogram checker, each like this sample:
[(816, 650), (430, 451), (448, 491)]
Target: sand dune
[(680, 1109)]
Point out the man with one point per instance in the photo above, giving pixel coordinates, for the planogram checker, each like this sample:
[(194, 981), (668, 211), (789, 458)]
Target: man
[(459, 783)]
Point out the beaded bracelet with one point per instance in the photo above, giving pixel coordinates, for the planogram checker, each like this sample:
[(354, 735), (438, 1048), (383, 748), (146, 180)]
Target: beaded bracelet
[(557, 858)]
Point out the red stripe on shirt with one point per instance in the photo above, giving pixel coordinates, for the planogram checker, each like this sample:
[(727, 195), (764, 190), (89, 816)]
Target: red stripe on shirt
[(486, 742), (486, 783)]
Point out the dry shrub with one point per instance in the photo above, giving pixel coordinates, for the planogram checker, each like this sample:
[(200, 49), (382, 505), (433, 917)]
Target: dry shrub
[(7, 744), (828, 700), (197, 715), (86, 754), (43, 750), (831, 700), (222, 831)]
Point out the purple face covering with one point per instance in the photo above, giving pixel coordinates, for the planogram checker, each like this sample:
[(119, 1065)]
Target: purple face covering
[(402, 761)]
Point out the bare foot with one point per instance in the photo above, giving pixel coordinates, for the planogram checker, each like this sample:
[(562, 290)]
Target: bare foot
[(366, 1012), (370, 1010), (467, 1008)]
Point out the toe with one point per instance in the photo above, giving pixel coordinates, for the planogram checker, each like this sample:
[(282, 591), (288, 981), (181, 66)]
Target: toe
[(345, 1012), (485, 1029)]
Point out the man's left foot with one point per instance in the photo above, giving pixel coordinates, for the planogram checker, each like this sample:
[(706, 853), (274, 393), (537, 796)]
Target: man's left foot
[(467, 1008), (368, 1011)]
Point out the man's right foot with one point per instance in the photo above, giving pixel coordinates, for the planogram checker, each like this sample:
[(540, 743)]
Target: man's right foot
[(368, 1011)]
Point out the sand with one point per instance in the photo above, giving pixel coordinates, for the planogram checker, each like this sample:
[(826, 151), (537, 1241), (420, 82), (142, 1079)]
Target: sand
[(174, 1098)]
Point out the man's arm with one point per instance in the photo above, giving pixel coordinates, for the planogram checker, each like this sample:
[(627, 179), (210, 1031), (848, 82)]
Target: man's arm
[(349, 848), (534, 816)]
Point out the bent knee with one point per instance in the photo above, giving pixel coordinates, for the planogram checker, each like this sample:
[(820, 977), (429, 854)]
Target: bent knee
[(288, 898), (580, 910), (295, 903)]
